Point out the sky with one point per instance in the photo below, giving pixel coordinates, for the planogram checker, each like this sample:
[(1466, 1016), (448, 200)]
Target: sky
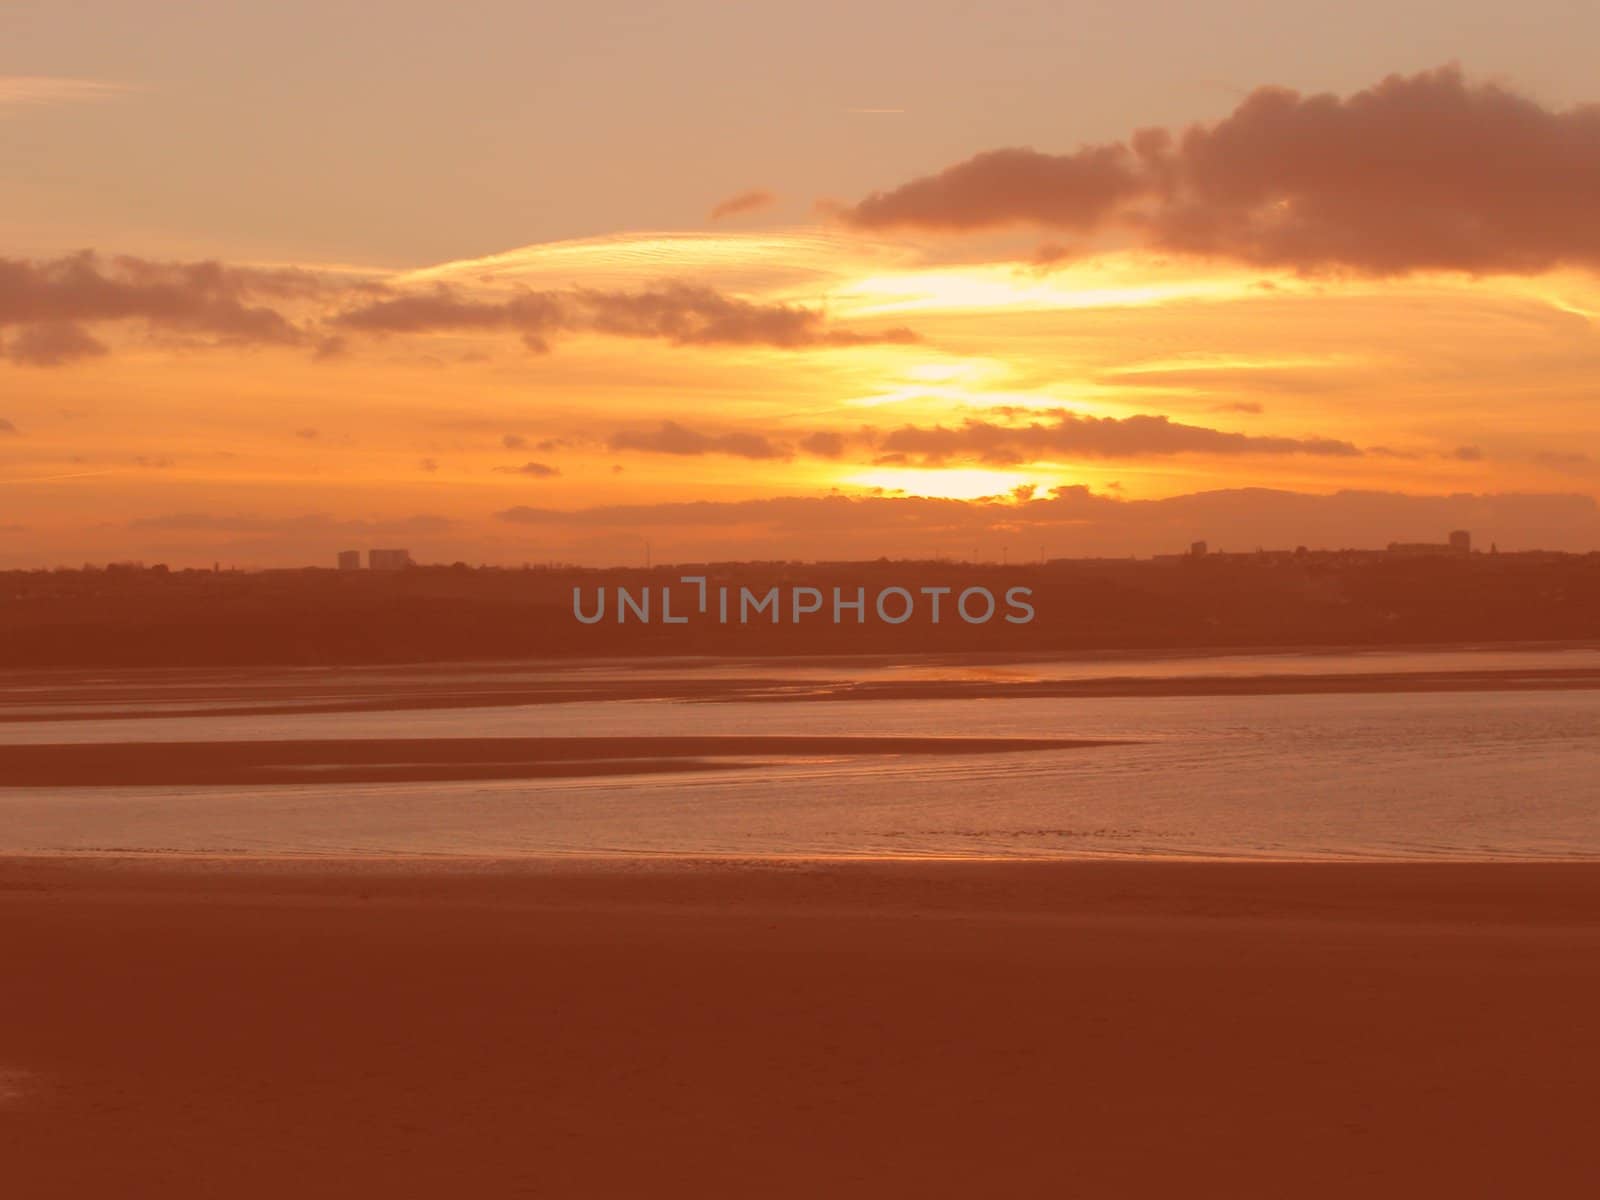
[(506, 283)]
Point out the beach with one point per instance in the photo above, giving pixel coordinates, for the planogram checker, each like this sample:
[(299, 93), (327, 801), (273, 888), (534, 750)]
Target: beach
[(381, 760), (634, 1025)]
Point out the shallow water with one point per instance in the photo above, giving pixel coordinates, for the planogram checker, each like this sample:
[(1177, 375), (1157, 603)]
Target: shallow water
[(1447, 774)]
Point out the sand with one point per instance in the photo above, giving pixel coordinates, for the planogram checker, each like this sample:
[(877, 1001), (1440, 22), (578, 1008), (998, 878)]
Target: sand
[(153, 694), (639, 1027), (392, 760)]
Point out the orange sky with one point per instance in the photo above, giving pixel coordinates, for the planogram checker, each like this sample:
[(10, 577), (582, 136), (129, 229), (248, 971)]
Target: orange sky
[(1382, 296)]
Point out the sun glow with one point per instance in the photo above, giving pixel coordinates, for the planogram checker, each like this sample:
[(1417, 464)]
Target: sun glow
[(1003, 286), (967, 483)]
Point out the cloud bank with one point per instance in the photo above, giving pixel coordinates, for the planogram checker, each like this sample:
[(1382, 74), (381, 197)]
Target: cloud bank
[(1074, 521), (1058, 434), (1420, 172), (51, 302), (51, 299), (682, 314), (1073, 435)]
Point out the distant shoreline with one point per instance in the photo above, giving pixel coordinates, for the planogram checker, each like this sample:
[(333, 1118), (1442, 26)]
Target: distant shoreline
[(320, 617), (49, 694)]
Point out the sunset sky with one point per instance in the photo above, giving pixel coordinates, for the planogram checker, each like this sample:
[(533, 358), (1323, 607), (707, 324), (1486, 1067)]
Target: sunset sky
[(540, 282)]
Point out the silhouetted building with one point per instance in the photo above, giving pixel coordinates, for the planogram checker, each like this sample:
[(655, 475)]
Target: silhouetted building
[(1460, 543), (349, 560), (388, 560), (1197, 549)]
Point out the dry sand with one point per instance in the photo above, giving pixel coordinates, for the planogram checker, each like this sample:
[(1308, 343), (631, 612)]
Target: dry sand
[(636, 1027)]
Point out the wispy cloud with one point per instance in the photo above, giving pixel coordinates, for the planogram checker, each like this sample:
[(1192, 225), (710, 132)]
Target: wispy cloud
[(18, 91), (753, 200)]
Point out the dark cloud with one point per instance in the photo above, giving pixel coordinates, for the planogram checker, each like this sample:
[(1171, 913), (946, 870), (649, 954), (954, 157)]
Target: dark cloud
[(537, 470), (51, 344), (1239, 406), (1078, 191), (205, 298), (51, 300), (1067, 433), (673, 438), (6, 427), (823, 444), (309, 435), (514, 441), (1418, 172), (753, 200), (1467, 454), (679, 313), (1038, 436)]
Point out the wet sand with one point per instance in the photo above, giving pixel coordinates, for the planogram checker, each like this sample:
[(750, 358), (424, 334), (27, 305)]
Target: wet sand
[(660, 1027), (153, 694), (396, 760)]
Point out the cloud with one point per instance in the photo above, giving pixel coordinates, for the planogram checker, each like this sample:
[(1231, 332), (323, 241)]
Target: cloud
[(673, 438), (307, 434), (51, 344), (753, 200), (196, 298), (1076, 521), (514, 441), (329, 349), (1049, 255), (1467, 454), (824, 444), (52, 299), (310, 523), (1055, 433), (1077, 191), (537, 470), (1420, 172), (682, 314), (17, 91), (1566, 462), (6, 427), (1277, 380), (1239, 406), (1067, 433)]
